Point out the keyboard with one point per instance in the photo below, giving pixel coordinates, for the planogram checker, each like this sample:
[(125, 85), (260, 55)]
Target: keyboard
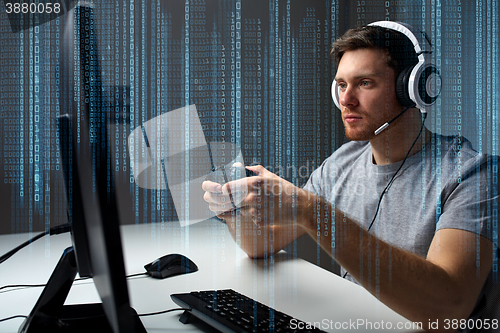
[(229, 311)]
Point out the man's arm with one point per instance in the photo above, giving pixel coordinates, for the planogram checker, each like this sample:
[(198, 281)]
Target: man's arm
[(445, 285), (260, 242)]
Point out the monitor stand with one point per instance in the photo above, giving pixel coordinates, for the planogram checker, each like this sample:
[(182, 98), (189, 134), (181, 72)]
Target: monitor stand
[(51, 315)]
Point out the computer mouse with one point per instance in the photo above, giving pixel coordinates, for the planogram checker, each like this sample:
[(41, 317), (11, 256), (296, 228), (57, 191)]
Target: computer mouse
[(170, 265)]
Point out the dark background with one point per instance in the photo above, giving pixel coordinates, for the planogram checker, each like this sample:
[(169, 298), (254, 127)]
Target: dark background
[(258, 71)]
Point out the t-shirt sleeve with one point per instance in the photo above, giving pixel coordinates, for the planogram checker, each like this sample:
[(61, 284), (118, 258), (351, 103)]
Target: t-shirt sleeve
[(470, 202), (313, 184)]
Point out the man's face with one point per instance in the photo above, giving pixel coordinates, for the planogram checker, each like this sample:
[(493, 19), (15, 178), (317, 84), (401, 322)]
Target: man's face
[(367, 92)]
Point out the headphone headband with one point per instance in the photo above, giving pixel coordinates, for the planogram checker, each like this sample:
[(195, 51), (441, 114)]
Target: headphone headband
[(418, 38)]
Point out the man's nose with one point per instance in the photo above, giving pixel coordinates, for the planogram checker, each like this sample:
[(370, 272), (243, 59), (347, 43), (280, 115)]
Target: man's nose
[(348, 97)]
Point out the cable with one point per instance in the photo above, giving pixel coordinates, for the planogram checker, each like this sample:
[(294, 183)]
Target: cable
[(394, 176), (52, 231), (79, 279), (20, 286), (139, 315), (161, 312), (134, 275), (25, 286), (12, 252), (13, 317)]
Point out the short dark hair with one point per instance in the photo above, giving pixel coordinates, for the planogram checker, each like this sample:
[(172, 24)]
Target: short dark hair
[(400, 51)]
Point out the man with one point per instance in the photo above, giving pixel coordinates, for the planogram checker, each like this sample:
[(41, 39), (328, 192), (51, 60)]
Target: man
[(421, 245)]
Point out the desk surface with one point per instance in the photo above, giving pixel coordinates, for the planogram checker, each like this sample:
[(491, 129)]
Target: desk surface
[(292, 286)]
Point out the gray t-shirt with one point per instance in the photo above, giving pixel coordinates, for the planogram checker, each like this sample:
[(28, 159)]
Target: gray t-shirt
[(446, 185)]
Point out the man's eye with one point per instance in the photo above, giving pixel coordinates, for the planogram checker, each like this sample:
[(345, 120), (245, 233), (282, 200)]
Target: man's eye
[(342, 85), (365, 83)]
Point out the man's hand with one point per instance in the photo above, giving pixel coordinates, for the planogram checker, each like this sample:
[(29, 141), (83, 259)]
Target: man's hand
[(262, 199), (261, 218)]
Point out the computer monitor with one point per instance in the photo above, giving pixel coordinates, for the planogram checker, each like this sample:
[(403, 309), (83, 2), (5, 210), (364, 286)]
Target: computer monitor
[(92, 206)]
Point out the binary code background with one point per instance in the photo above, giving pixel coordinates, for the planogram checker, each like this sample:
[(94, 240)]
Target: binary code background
[(258, 71)]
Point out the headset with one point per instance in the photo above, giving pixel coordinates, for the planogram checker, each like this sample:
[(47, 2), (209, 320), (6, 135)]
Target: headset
[(418, 86)]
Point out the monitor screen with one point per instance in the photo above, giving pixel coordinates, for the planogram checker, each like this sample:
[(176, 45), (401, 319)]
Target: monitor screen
[(96, 233), (92, 206)]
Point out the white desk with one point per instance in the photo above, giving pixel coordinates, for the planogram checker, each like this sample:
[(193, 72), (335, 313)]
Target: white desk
[(292, 286)]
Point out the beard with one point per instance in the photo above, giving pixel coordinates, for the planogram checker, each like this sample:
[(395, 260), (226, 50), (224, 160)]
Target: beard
[(359, 132)]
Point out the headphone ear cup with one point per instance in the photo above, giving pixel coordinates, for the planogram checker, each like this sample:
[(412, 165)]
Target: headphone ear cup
[(336, 94), (402, 88), (429, 84)]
